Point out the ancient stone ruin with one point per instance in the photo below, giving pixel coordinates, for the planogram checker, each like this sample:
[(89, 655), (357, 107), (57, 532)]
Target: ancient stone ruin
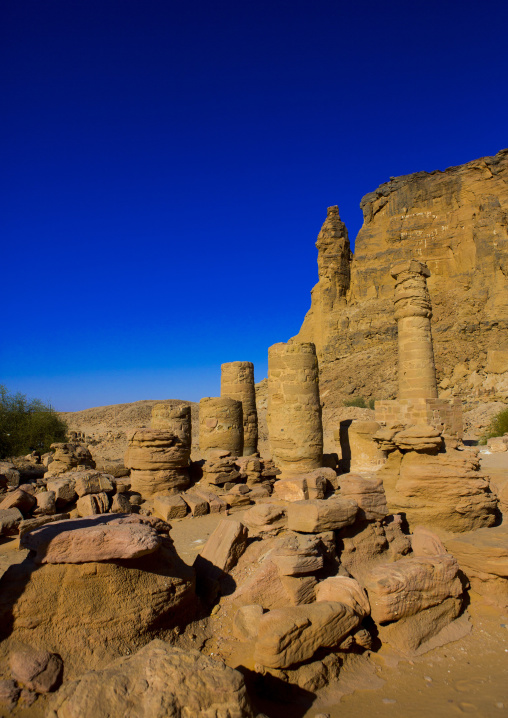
[(139, 591), (417, 401), (158, 460), (294, 409), (237, 382), (220, 426)]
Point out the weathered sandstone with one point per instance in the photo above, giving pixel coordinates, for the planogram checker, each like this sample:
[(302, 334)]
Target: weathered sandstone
[(237, 382), (344, 590), (294, 409), (158, 460), (39, 671), (288, 636), (159, 681), (316, 515), (455, 222), (220, 426), (68, 456), (411, 585), (175, 419), (442, 490), (86, 540), (89, 612), (367, 492), (483, 556)]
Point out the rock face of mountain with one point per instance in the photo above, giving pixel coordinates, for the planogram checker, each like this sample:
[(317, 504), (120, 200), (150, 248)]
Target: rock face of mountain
[(456, 222)]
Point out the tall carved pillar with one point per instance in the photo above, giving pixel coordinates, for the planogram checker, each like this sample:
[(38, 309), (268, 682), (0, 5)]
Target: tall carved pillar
[(237, 382), (294, 409), (413, 312)]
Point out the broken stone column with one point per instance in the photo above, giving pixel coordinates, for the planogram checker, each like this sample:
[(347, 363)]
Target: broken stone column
[(413, 311), (294, 409), (175, 419), (159, 461), (237, 382), (220, 426), (359, 451)]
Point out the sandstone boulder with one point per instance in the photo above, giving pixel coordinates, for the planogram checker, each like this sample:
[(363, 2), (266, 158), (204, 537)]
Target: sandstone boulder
[(9, 521), (279, 572), (321, 515), (425, 542), (64, 490), (220, 553), (68, 456), (246, 622), (93, 482), (18, 499), (300, 488), (46, 503), (409, 634), (443, 490), (120, 504), (483, 556), (158, 681), (288, 636), (342, 589), (368, 493), (89, 612), (86, 540), (30, 524), (169, 507), (265, 520), (37, 670), (411, 585), (364, 545), (92, 504), (420, 437)]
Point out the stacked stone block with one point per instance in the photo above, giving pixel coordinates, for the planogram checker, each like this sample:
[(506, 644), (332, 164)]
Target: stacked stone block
[(237, 382), (413, 312), (159, 461), (294, 409), (220, 426), (175, 419)]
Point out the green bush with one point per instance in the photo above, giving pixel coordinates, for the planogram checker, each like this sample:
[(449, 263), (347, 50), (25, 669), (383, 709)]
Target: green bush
[(360, 402), (497, 427), (27, 425)]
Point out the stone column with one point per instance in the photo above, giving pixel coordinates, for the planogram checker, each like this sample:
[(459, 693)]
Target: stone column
[(413, 311), (294, 409), (220, 426), (176, 419), (237, 382), (158, 460)]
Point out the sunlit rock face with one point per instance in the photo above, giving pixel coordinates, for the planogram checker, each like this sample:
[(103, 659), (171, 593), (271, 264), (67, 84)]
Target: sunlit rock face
[(456, 223)]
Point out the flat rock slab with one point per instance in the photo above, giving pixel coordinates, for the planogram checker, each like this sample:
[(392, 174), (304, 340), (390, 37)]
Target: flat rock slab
[(222, 550), (321, 515), (86, 540)]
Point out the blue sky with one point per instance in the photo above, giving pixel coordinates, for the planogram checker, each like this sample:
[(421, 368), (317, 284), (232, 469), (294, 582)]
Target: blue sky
[(166, 167)]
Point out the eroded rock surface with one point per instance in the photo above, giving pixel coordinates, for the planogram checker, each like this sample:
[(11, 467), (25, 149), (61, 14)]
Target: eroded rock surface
[(159, 681)]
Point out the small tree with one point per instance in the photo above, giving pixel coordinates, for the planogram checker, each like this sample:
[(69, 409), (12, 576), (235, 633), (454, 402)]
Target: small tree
[(27, 425), (498, 425)]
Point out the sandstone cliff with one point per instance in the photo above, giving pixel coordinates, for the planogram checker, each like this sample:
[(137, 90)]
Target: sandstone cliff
[(457, 222)]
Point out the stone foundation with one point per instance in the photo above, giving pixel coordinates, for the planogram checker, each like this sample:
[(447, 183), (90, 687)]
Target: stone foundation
[(444, 414)]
